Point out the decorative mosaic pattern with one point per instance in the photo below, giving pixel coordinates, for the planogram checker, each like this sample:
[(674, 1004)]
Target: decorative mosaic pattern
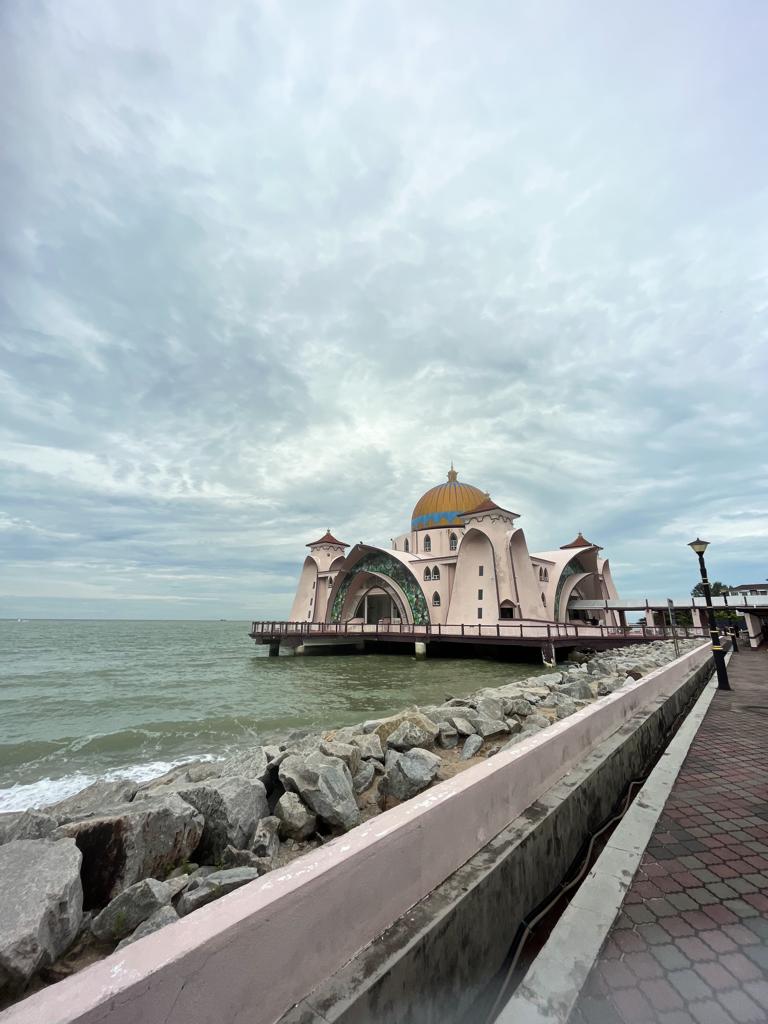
[(386, 565), (572, 568)]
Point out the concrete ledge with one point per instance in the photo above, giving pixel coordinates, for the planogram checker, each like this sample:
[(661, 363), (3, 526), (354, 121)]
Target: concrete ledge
[(255, 953)]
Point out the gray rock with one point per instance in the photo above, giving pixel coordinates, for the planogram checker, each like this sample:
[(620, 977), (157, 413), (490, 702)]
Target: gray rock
[(448, 737), (492, 751), (41, 906), (233, 858), (130, 909), (562, 703), (608, 685), (486, 727), (490, 707), (471, 746), (143, 839), (266, 843), (249, 764), (297, 822), (410, 734), (536, 722), (346, 752), (409, 773), (162, 917), (387, 726), (25, 825), (550, 679), (325, 785), (514, 726), (93, 801), (580, 689), (271, 751), (232, 808), (519, 706), (369, 746), (201, 872), (364, 777), (462, 725), (177, 884), (212, 887)]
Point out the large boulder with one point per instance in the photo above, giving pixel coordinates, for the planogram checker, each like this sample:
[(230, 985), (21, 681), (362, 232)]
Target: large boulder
[(232, 808), (92, 801), (349, 753), (461, 724), (296, 820), (518, 706), (386, 726), (249, 764), (130, 909), (143, 839), (162, 917), (41, 906), (490, 707), (471, 746), (324, 784), (409, 773), (579, 689), (369, 745), (448, 737), (25, 825), (364, 778), (212, 887), (410, 734), (489, 727)]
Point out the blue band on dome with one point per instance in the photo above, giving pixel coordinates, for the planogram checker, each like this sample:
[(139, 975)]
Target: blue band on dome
[(435, 520)]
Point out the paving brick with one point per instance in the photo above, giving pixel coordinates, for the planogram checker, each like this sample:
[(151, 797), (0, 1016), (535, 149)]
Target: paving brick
[(742, 1008), (695, 949), (741, 935), (716, 976), (634, 1007), (681, 901), (616, 974), (644, 966), (741, 908), (670, 956), (740, 966), (720, 914), (758, 990), (719, 941), (661, 995), (690, 985), (653, 934), (709, 1012)]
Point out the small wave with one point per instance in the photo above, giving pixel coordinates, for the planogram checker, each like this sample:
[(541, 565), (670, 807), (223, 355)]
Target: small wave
[(50, 791)]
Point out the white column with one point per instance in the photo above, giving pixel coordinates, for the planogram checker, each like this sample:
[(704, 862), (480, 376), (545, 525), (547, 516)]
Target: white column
[(754, 628)]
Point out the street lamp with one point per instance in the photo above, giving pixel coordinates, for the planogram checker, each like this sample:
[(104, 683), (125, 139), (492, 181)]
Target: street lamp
[(700, 546)]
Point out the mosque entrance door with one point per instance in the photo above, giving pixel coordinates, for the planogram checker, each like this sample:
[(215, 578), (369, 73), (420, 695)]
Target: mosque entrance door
[(375, 606)]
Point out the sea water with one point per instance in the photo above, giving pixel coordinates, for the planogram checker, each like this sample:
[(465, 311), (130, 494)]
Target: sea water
[(84, 700)]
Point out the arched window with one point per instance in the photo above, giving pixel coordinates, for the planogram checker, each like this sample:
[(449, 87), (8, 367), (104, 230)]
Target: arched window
[(435, 573), (406, 546), (427, 574), (541, 574), (427, 543), (453, 543), (544, 600), (330, 581), (546, 575), (435, 600)]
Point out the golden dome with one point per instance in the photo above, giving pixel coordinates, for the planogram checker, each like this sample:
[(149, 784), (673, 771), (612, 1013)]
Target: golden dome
[(443, 505)]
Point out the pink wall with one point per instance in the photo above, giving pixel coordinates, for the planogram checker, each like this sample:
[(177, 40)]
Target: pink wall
[(254, 953)]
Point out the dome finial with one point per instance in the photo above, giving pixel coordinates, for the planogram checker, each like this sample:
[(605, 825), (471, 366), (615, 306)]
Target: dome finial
[(452, 474)]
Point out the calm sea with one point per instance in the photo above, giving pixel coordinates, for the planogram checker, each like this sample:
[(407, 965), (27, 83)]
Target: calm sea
[(81, 700)]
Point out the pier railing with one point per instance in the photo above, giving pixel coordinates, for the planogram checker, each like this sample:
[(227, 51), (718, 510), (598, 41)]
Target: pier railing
[(521, 630)]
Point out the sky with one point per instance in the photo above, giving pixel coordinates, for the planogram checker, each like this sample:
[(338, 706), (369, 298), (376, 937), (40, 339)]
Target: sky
[(267, 268)]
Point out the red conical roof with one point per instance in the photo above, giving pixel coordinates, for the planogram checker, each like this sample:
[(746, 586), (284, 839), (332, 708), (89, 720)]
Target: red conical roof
[(579, 542), (328, 539)]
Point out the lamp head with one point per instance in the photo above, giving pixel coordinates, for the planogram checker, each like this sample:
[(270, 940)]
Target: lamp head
[(699, 546)]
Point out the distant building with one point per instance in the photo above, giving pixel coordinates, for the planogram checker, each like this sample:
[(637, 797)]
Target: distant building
[(464, 560), (756, 589)]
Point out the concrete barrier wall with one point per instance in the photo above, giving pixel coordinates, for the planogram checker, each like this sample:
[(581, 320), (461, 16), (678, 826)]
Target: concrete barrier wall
[(253, 954)]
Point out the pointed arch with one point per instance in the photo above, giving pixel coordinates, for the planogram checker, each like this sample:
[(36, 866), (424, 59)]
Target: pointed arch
[(453, 542), (436, 573), (427, 543), (435, 600), (427, 574)]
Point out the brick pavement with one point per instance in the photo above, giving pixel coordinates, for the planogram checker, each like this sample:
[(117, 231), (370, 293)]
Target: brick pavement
[(690, 945)]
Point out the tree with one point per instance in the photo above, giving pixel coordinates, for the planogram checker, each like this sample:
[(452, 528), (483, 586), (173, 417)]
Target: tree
[(717, 589)]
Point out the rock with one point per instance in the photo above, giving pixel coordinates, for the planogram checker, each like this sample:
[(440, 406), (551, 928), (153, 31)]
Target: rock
[(201, 872), (93, 801), (486, 727), (514, 726), (561, 702), (25, 825), (192, 771), (324, 784), (410, 734), (519, 706), (409, 774), (130, 909), (462, 726), (162, 917), (233, 858), (448, 737), (232, 808), (211, 888), (266, 843), (296, 821), (490, 707), (492, 751), (471, 746), (41, 906), (250, 764), (143, 839), (177, 884), (369, 746), (607, 685), (387, 726), (364, 777), (536, 721), (579, 689), (635, 674), (346, 752), (182, 871), (271, 751), (550, 679)]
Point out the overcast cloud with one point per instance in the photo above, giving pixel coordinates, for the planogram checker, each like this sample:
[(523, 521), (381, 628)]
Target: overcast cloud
[(267, 268)]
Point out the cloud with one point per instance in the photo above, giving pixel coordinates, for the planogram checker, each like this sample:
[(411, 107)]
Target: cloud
[(267, 270)]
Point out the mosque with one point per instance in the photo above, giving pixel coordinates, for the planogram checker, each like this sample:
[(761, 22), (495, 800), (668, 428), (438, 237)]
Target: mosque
[(464, 560)]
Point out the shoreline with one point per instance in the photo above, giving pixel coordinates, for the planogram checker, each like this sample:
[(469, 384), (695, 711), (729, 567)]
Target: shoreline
[(233, 820)]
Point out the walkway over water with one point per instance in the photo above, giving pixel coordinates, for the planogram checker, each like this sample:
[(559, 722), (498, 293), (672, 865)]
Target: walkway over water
[(518, 633)]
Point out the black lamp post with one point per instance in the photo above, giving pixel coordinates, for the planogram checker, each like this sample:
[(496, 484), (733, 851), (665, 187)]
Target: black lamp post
[(700, 546)]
